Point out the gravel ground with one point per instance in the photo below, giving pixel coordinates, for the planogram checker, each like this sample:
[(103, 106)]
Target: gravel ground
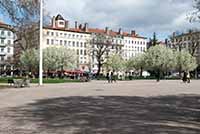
[(134, 107)]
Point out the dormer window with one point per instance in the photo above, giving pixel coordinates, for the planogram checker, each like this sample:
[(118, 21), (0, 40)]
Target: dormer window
[(61, 23)]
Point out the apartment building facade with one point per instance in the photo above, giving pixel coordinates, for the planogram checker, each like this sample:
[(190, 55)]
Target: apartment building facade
[(78, 39), (189, 41), (6, 48)]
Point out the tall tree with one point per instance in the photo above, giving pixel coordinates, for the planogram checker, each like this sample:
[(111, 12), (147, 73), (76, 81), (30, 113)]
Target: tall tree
[(59, 58), (29, 60), (137, 63), (159, 59), (185, 61), (100, 47), (154, 41), (115, 62)]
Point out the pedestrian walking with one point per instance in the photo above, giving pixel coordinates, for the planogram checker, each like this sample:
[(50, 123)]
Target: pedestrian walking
[(115, 76), (111, 76), (107, 77), (184, 77), (188, 77)]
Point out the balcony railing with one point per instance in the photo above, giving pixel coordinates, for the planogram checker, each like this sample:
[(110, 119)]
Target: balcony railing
[(2, 53), (2, 45), (2, 36)]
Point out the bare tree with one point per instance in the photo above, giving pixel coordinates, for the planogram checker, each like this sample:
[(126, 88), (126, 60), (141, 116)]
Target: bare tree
[(194, 42), (24, 15), (100, 45), (195, 14)]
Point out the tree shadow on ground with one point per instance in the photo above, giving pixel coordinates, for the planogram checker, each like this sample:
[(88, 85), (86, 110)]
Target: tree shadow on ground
[(105, 115)]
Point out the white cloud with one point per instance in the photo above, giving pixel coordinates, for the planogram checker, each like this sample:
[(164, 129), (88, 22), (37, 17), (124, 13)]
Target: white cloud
[(146, 16)]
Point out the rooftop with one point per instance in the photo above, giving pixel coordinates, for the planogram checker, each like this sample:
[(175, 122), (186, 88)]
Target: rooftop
[(95, 30)]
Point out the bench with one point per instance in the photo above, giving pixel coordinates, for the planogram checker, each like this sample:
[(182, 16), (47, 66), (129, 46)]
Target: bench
[(10, 82), (17, 83)]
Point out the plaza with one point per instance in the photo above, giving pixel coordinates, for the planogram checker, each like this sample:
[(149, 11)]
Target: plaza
[(141, 106)]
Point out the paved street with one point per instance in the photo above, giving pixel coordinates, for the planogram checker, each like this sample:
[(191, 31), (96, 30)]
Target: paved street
[(142, 107)]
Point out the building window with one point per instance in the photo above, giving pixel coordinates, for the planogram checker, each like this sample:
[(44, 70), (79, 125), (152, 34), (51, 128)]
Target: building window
[(2, 49), (85, 44), (81, 44), (47, 41), (65, 42), (73, 43), (2, 41), (77, 52), (81, 52), (9, 42), (77, 44), (2, 32), (9, 58), (52, 33), (61, 42), (8, 49), (85, 53), (2, 58), (61, 23), (47, 32), (9, 33), (69, 43), (52, 42)]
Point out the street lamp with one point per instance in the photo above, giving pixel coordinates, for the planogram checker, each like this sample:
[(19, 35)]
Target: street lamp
[(41, 32)]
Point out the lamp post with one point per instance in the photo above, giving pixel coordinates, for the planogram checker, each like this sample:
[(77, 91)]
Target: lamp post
[(41, 55)]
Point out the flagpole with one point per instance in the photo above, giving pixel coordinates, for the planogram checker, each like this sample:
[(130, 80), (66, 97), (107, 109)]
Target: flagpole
[(40, 47)]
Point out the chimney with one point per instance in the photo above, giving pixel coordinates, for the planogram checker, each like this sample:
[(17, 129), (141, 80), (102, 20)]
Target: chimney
[(76, 25), (174, 34), (166, 41), (133, 33), (86, 27), (120, 31), (107, 30), (80, 26), (66, 24), (53, 23)]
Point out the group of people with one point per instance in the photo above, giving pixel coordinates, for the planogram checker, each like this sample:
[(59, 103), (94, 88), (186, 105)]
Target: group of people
[(186, 77), (112, 76)]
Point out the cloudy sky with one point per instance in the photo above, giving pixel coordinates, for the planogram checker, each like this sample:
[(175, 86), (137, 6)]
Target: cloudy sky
[(145, 16)]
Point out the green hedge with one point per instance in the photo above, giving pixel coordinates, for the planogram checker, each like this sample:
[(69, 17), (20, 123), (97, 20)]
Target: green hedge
[(140, 78), (5, 79), (49, 80)]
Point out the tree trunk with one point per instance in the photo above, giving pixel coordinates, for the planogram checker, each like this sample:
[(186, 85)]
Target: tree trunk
[(158, 75), (196, 73), (141, 70), (99, 69)]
